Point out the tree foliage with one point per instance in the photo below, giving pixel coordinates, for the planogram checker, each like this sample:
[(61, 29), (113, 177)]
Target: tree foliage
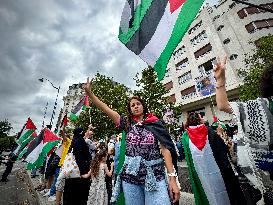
[(115, 95), (5, 128), (255, 62), (152, 91), (6, 141)]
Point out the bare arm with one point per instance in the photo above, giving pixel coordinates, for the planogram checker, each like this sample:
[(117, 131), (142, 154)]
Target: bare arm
[(87, 175), (99, 104), (221, 94), (174, 190), (109, 173)]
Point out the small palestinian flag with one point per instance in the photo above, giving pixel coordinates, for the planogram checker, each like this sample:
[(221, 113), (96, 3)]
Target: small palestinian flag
[(42, 145), (82, 105), (64, 122), (212, 178), (152, 29), (28, 130)]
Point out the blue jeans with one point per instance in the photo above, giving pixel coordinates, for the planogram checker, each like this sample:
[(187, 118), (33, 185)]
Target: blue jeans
[(136, 194), (53, 186)]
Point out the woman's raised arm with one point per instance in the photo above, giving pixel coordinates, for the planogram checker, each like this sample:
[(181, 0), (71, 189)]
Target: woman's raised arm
[(99, 104)]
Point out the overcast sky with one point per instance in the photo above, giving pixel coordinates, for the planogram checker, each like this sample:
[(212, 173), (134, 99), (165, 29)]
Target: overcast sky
[(61, 40)]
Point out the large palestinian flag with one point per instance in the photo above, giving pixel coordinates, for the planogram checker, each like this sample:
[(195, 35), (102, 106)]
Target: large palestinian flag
[(212, 177), (42, 145), (82, 105), (152, 29), (25, 143)]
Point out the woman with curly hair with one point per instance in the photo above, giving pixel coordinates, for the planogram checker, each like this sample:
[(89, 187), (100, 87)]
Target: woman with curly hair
[(98, 170)]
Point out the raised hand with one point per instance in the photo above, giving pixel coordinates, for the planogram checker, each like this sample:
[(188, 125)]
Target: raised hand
[(219, 69), (87, 86)]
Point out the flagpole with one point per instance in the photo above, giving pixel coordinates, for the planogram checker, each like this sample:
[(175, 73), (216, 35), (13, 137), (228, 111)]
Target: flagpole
[(43, 124), (257, 6)]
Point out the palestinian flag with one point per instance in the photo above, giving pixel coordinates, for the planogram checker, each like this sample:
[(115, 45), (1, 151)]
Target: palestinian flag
[(82, 105), (24, 151), (27, 140), (213, 180), (27, 131), (38, 150), (64, 122), (152, 29)]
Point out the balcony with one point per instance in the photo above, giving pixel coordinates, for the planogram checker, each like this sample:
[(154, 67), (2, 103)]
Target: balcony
[(189, 96)]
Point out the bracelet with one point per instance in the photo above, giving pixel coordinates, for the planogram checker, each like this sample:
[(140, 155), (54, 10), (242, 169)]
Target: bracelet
[(223, 85), (173, 174)]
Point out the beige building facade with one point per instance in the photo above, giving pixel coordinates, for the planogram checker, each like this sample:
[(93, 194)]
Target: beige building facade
[(225, 29)]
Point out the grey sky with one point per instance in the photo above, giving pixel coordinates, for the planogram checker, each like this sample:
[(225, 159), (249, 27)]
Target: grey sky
[(61, 40)]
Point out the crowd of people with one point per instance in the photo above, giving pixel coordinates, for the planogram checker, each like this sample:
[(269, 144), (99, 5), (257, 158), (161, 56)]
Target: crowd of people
[(227, 164)]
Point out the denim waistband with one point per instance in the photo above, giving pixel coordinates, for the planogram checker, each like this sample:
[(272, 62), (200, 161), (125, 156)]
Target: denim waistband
[(133, 165)]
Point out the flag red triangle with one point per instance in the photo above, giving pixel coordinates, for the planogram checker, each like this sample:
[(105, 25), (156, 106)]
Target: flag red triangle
[(34, 134), (198, 136), (50, 136), (30, 125), (175, 4)]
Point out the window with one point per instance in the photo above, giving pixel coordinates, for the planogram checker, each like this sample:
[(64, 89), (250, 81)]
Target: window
[(171, 99), (260, 24), (202, 51), (179, 52), (232, 5), (169, 85), (220, 28), (206, 67), (233, 57), (242, 14), (199, 38), (226, 41), (184, 78), (188, 93), (216, 17), (182, 64), (195, 27), (253, 10)]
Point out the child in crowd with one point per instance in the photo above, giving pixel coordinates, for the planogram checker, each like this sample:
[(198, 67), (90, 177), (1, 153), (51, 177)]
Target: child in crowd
[(98, 193)]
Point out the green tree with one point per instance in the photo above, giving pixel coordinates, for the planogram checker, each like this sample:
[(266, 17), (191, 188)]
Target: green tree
[(152, 91), (5, 128), (115, 95), (6, 141), (255, 63)]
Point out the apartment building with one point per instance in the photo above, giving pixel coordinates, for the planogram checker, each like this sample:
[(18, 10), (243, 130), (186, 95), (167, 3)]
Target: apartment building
[(224, 29)]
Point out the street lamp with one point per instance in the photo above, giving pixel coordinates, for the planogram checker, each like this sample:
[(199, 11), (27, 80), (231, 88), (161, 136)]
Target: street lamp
[(55, 105)]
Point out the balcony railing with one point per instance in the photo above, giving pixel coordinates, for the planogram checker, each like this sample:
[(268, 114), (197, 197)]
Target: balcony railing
[(189, 96)]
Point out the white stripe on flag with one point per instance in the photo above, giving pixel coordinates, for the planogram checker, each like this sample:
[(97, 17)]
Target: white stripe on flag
[(209, 174), (33, 156), (157, 44)]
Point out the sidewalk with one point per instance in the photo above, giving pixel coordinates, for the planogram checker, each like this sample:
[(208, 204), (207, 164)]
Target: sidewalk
[(185, 199)]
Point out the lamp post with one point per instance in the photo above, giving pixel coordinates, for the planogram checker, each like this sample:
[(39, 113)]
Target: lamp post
[(55, 105)]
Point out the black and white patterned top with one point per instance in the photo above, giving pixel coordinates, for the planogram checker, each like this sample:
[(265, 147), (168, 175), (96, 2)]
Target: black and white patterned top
[(141, 142)]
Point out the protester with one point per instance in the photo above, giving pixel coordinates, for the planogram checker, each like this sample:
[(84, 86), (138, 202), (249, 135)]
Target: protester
[(9, 165), (98, 192), (88, 139), (109, 162), (211, 174), (142, 174), (76, 189), (255, 131)]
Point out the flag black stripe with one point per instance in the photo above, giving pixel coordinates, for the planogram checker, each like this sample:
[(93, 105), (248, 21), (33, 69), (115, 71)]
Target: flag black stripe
[(34, 144), (147, 27)]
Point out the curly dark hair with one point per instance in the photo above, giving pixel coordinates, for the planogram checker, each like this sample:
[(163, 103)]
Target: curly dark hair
[(193, 119), (267, 82), (95, 163)]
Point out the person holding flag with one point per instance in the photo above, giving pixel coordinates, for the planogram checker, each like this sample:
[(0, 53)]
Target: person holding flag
[(141, 171)]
